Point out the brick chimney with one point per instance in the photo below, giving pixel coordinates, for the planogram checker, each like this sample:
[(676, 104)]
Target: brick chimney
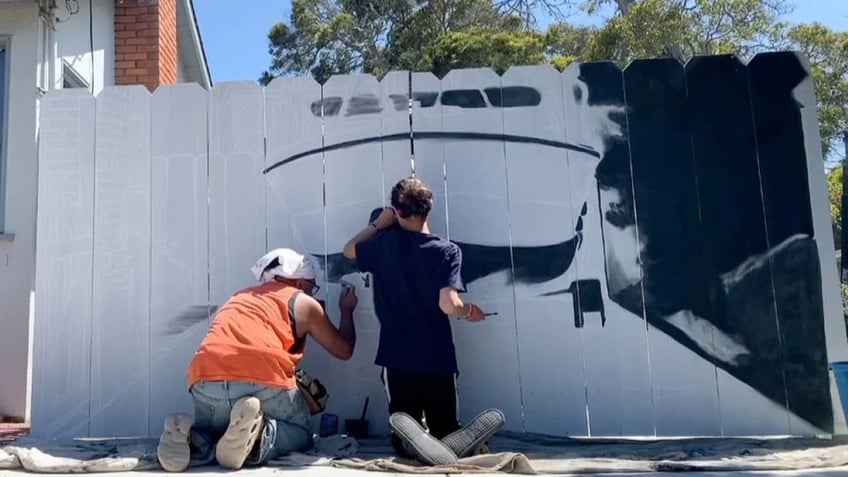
[(145, 42)]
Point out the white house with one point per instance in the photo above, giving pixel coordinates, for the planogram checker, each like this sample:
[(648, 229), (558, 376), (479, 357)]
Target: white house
[(51, 44)]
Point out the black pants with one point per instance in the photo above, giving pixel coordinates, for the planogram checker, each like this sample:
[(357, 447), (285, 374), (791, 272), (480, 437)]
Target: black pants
[(416, 394)]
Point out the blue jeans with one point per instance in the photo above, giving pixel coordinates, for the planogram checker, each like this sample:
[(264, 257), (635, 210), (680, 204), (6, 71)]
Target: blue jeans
[(286, 416)]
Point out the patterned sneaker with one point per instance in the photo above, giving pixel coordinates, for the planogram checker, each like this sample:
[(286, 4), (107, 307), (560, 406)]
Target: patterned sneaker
[(427, 448), (238, 441), (173, 450), (471, 439)]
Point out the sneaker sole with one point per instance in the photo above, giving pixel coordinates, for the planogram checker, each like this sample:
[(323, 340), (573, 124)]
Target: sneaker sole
[(245, 427), (173, 450)]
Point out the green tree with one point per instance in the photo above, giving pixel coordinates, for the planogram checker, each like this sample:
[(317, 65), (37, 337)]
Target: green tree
[(834, 195), (684, 28), (828, 54), (477, 47), (326, 37)]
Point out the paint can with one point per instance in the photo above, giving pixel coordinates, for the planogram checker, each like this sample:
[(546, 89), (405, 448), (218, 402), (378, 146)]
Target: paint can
[(840, 373)]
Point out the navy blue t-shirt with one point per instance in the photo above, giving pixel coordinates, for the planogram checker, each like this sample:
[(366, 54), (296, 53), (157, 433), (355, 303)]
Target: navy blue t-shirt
[(409, 269)]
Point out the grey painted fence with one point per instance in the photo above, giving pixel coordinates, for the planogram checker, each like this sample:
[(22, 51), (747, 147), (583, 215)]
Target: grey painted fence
[(656, 242)]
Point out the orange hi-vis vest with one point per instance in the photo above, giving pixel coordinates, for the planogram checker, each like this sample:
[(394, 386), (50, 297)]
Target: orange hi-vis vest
[(251, 340)]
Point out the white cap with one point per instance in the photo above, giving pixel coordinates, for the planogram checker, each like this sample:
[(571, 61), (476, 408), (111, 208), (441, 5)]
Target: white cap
[(292, 266)]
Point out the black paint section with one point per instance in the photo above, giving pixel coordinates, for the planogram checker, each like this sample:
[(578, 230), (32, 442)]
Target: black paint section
[(588, 298), (732, 222), (400, 101), (532, 264), (437, 135), (463, 98), (190, 317), (683, 259), (332, 106), (426, 99), (795, 268), (665, 188), (605, 85), (363, 104), (513, 96)]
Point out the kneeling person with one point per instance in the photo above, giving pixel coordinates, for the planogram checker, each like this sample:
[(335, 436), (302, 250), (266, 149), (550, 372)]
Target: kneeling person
[(247, 406)]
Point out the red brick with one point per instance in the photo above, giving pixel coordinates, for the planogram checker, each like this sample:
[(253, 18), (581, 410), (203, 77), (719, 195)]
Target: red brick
[(137, 71), (135, 11), (132, 56), (140, 41), (147, 26), (146, 42), (126, 64)]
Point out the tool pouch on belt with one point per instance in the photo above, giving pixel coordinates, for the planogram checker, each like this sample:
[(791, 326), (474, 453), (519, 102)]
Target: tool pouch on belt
[(313, 391)]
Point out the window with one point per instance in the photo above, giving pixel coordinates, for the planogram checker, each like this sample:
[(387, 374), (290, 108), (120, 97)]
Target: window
[(70, 78), (4, 95)]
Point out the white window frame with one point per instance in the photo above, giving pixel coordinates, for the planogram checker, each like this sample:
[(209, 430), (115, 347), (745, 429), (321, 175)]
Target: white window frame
[(4, 132)]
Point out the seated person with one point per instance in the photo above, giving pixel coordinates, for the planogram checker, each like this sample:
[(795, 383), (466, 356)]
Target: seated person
[(247, 406)]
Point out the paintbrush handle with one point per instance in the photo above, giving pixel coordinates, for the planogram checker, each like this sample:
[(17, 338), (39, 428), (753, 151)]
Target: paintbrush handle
[(365, 408)]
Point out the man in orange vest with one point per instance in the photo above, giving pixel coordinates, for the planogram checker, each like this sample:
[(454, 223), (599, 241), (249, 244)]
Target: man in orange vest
[(247, 406)]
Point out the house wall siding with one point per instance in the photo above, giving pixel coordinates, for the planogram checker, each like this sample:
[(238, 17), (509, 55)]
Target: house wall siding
[(18, 22), (86, 42)]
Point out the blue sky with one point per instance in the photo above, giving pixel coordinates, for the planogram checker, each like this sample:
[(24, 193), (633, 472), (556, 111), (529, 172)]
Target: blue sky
[(234, 33)]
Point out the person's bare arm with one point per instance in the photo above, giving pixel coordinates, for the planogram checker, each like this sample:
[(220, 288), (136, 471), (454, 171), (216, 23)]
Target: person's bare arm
[(452, 305), (385, 219), (340, 341), (450, 280), (363, 235)]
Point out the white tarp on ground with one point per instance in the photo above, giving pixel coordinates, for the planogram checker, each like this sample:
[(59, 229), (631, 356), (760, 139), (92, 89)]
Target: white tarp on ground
[(543, 455)]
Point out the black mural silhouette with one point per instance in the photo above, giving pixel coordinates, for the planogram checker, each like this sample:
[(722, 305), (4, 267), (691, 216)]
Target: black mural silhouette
[(706, 249)]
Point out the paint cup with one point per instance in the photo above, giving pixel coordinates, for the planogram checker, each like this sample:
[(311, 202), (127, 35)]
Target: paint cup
[(357, 428), (329, 425)]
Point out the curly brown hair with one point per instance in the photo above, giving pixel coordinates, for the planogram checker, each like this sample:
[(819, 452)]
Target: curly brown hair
[(412, 197)]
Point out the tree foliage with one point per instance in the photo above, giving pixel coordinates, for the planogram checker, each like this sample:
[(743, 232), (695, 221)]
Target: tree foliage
[(475, 48), (828, 54), (834, 195)]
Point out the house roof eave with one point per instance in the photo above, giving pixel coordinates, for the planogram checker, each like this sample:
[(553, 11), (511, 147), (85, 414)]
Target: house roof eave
[(194, 42)]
